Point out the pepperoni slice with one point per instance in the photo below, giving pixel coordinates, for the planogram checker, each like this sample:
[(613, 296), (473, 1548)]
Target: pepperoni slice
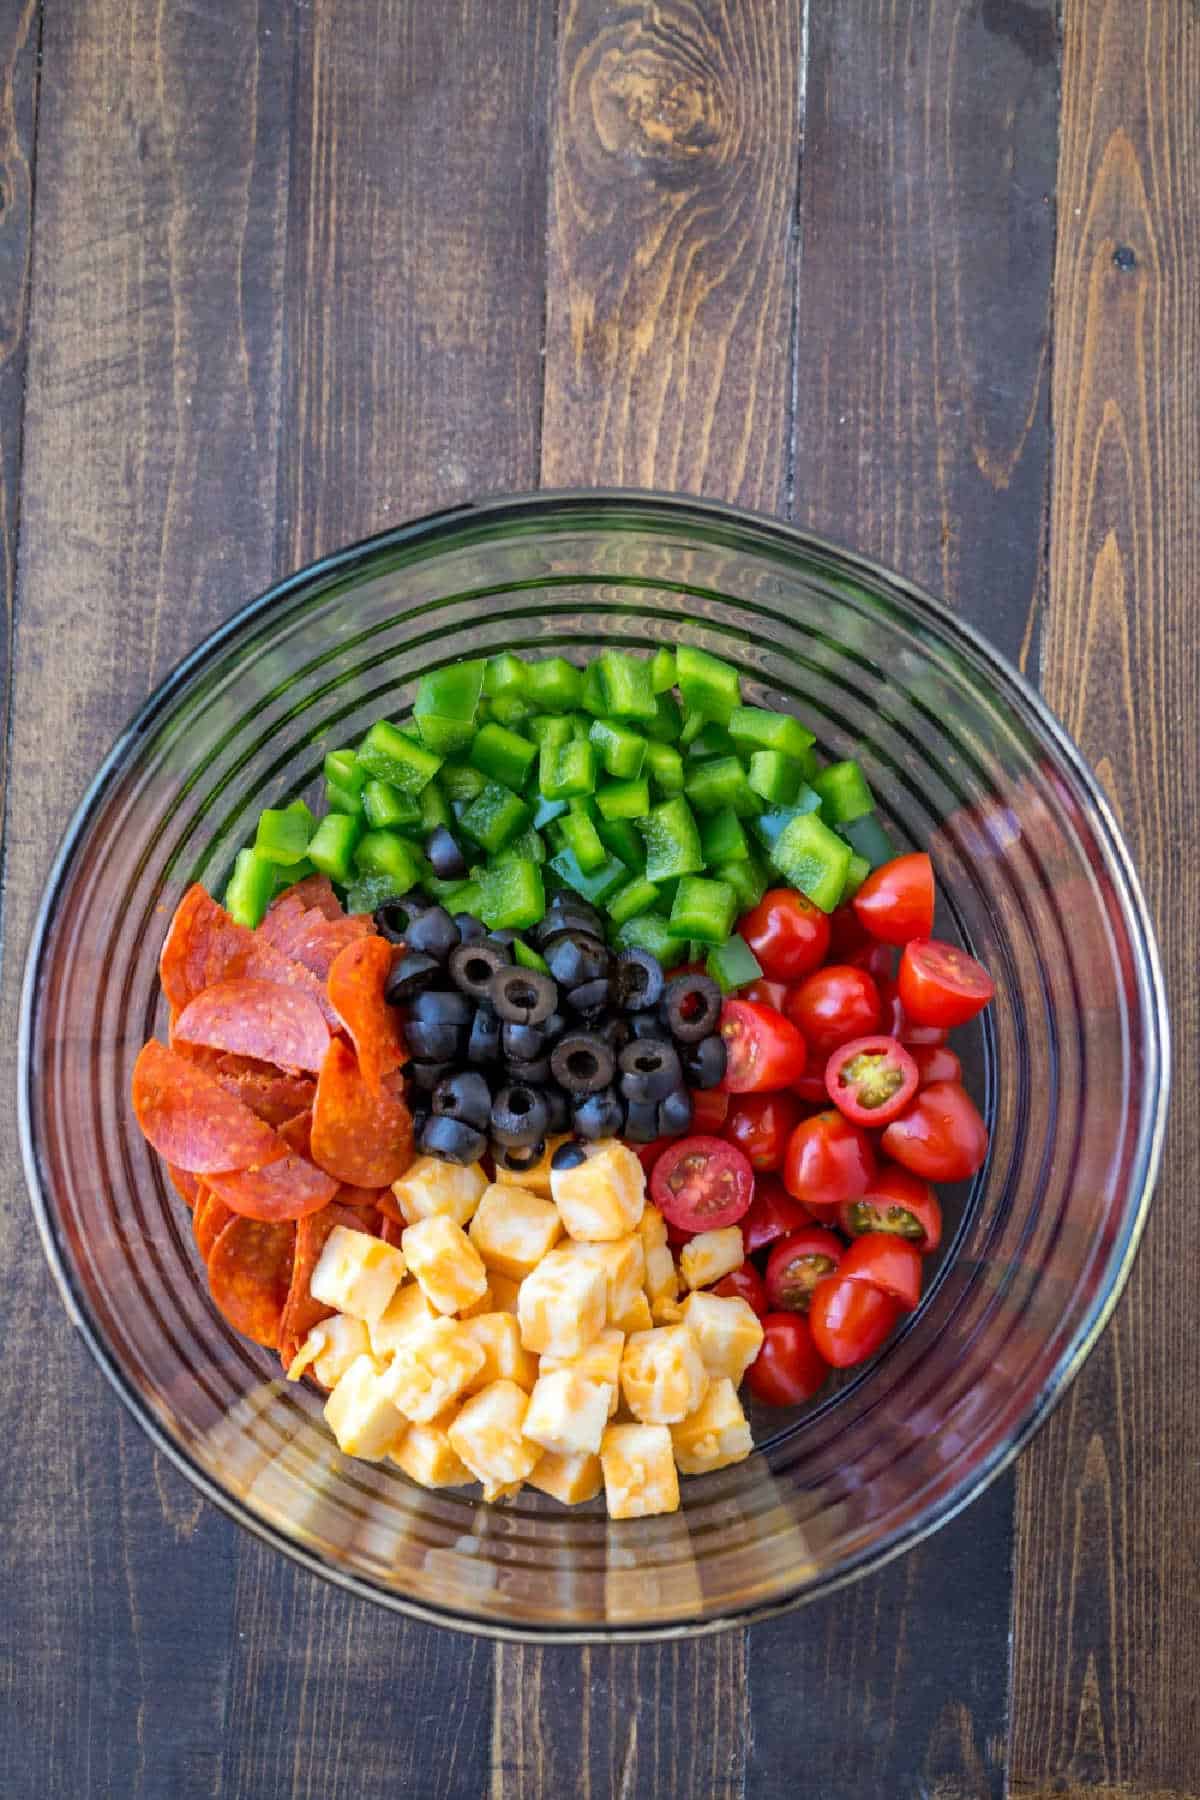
[(302, 1312), (362, 1138), (250, 1273), (191, 1121), (356, 984), (252, 1017), (389, 1231), (296, 1132), (186, 1185), (200, 944), (316, 890), (275, 1098), (316, 941), (209, 1221), (287, 1189)]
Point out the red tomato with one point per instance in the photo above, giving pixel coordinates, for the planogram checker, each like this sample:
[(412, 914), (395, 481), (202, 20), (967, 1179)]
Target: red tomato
[(889, 1263), (701, 1184), (787, 933), (899, 1203), (833, 1006), (877, 959), (648, 1154), (788, 1368), (896, 1023), (744, 1284), (796, 1264), (764, 1050), (895, 902), (709, 1109), (941, 1137), (849, 1319), (828, 1160), (871, 1080), (845, 933), (941, 985), (760, 1125), (935, 1062), (772, 1214), (766, 993), (811, 1089)]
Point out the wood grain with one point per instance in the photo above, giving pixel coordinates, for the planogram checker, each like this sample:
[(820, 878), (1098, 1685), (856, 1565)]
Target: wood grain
[(1107, 1620)]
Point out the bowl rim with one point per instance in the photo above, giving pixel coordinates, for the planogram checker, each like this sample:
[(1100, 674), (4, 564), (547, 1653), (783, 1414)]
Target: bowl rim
[(765, 532)]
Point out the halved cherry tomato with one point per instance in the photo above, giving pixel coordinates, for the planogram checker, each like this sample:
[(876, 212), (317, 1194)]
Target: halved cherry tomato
[(941, 1136), (788, 1368), (889, 1263), (773, 1213), (744, 1284), (766, 993), (828, 1160), (709, 1109), (764, 1050), (701, 1184), (845, 933), (877, 959), (899, 1203), (871, 1080), (760, 1125), (787, 933), (935, 1062), (811, 1089), (796, 1264), (849, 1319), (941, 985), (895, 902), (895, 1021), (834, 1005)]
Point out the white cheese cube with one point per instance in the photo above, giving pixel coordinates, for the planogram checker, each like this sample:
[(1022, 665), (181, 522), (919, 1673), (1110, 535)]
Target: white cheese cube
[(488, 1436), (727, 1331), (600, 1361), (663, 1377), (484, 1304), (505, 1358), (504, 1292), (535, 1180), (362, 1414), (638, 1317), (662, 1277), (705, 1258), (604, 1197), (512, 1230), (562, 1305), (716, 1434), (432, 1188), (624, 1264), (330, 1348), (431, 1367), (666, 1311), (425, 1455), (570, 1479), (567, 1413), (407, 1307), (639, 1471), (653, 1228), (445, 1262), (356, 1273)]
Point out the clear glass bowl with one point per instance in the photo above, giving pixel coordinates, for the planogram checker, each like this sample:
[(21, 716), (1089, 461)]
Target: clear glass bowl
[(1071, 1064)]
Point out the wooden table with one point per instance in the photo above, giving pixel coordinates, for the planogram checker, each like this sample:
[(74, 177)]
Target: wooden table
[(922, 275)]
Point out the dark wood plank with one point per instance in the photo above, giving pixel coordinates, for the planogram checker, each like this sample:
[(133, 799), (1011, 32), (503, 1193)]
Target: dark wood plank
[(921, 437), (1107, 1623)]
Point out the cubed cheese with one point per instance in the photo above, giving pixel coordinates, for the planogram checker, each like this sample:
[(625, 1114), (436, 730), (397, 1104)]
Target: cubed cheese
[(638, 1317), (562, 1305), (567, 1413), (330, 1348), (704, 1259), (445, 1262), (663, 1377), (662, 1278), (484, 1304), (362, 1414), (639, 1471), (716, 1434), (653, 1227), (407, 1307), (666, 1311), (727, 1331), (536, 1179), (356, 1273), (431, 1367), (604, 1197), (512, 1230), (504, 1292), (600, 1361), (569, 1479), (624, 1264), (488, 1436), (432, 1188), (425, 1455), (505, 1358)]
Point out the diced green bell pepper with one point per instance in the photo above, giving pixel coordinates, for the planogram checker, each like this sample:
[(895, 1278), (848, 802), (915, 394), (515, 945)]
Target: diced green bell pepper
[(598, 885), (505, 709), (343, 800), (459, 781), (527, 843), (495, 816), (748, 880), (667, 891), (844, 793), (390, 755), (578, 833), (512, 894), (505, 677), (733, 964), (566, 770), (703, 909), (664, 766), (367, 892), (283, 833), (710, 740), (544, 811), (711, 786), (624, 799), (343, 770), (621, 751), (662, 670), (554, 684), (502, 755), (384, 853), (754, 728), (251, 887), (626, 685), (591, 696), (331, 847), (768, 826), (667, 723), (434, 807), (857, 872), (549, 728), (867, 838), (708, 685), (619, 837), (450, 693), (637, 896), (527, 958), (691, 728), (775, 776), (387, 808), (650, 932), (445, 736), (722, 838), (288, 877), (811, 857), (672, 841)]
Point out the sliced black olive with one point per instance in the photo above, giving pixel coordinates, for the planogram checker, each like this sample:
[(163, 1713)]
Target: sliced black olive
[(704, 1063), (641, 1121), (448, 861), (644, 1025), (535, 1073), (576, 957), (419, 1115), (582, 1063), (473, 965), (441, 1006), (691, 1005), (521, 1043), (675, 1114), (589, 996), (425, 1076), (567, 902), (569, 1155), (518, 1157), (518, 1116), (431, 1042), (413, 972), (615, 1031), (554, 1026), (638, 980), (433, 932), (525, 996), (464, 1096), (392, 919), (558, 1109), (451, 1140), (483, 1045), (599, 1116), (649, 1069), (470, 929)]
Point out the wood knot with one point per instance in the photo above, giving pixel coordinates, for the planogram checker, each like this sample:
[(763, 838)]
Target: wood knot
[(663, 113)]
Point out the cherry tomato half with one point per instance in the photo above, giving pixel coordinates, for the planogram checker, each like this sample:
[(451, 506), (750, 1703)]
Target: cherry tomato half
[(834, 1005), (744, 1284), (760, 1125), (895, 902), (764, 1050), (701, 1184), (895, 1021), (849, 1319), (871, 1080), (773, 1213), (940, 1137), (899, 1203), (709, 1109), (796, 1264), (935, 1062), (941, 985), (889, 1263), (788, 1368), (787, 933), (829, 1160)]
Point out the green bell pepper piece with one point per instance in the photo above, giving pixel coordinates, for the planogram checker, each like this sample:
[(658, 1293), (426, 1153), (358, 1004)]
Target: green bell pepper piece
[(527, 958), (812, 858), (624, 799), (691, 728), (566, 770), (578, 833), (649, 932), (620, 750), (505, 677), (505, 709), (708, 685), (733, 964), (545, 811), (366, 892), (549, 728), (667, 723), (637, 896), (856, 874), (598, 885), (387, 808), (251, 887), (626, 685), (554, 684), (667, 891), (619, 837), (495, 816), (722, 838), (672, 841), (712, 786), (385, 853), (331, 847), (502, 755), (342, 769), (343, 800), (283, 833), (663, 672), (844, 793), (527, 843), (445, 736), (512, 896), (459, 781), (591, 696), (664, 766), (710, 740), (703, 909), (775, 776), (768, 826), (434, 808), (390, 755), (867, 838), (754, 728), (748, 880), (450, 693)]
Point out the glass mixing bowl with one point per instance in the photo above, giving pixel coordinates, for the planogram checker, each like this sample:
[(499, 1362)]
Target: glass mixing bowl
[(1070, 1064)]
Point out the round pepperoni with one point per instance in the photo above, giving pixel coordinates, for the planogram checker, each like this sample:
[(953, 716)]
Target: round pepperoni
[(302, 1312), (287, 1189), (191, 1121), (296, 1132), (252, 1017), (356, 983), (209, 1221), (316, 890), (360, 1137), (186, 1185), (317, 941), (275, 1098), (200, 943), (250, 1273)]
